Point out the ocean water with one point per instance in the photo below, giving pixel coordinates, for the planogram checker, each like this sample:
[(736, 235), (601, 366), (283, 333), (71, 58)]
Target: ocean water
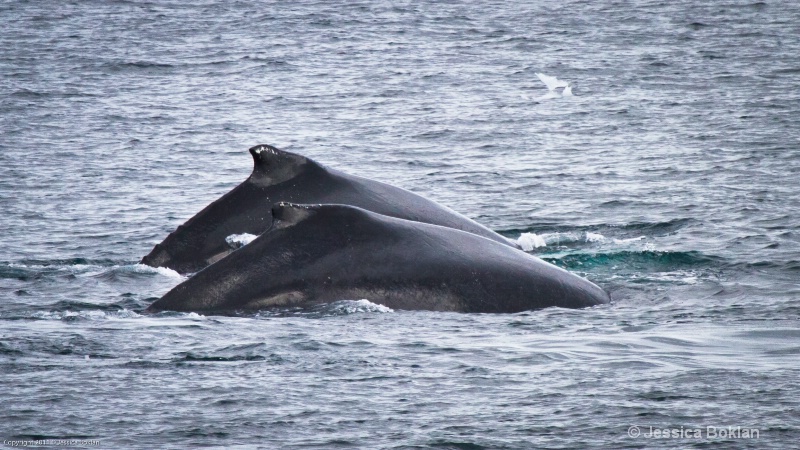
[(669, 178)]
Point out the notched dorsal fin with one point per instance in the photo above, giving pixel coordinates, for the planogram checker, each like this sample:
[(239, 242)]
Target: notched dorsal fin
[(272, 165), (267, 155)]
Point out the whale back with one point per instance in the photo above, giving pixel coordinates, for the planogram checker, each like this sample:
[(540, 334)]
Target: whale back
[(316, 254), (201, 240), (284, 176)]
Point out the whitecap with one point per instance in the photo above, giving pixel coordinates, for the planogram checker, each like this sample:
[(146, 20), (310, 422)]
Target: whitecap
[(86, 315), (165, 271), (345, 307), (594, 237), (684, 277), (530, 241), (194, 315), (626, 241)]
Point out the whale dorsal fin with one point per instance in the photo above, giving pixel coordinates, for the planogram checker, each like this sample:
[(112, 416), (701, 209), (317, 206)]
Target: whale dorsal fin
[(272, 165), (285, 214)]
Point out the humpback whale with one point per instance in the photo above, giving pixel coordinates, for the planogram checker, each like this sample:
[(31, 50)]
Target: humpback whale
[(314, 254), (283, 176)]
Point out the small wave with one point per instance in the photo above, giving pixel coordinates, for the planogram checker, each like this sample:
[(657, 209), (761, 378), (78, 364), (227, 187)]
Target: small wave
[(244, 352), (5, 349), (34, 269), (338, 308), (28, 93), (678, 277), (92, 315), (164, 271), (530, 241), (345, 307), (599, 238), (135, 270), (71, 305), (620, 231), (659, 228), (181, 315), (625, 241), (71, 262), (594, 237), (214, 358), (646, 260), (138, 65)]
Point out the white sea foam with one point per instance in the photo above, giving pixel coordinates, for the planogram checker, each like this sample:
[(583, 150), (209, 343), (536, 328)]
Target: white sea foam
[(358, 306), (598, 238), (240, 240), (76, 269), (87, 315), (594, 237), (530, 241), (164, 271), (629, 240), (685, 277), (561, 238), (194, 315)]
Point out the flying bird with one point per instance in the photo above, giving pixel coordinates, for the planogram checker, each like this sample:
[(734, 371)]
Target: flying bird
[(553, 84)]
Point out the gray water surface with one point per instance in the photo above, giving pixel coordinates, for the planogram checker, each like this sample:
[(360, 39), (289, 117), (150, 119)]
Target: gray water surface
[(669, 179)]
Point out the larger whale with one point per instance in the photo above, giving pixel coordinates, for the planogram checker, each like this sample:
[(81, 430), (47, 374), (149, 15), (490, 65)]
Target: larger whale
[(283, 176), (314, 254)]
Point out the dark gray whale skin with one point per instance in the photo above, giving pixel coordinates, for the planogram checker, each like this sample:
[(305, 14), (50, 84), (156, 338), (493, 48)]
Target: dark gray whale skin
[(315, 254), (283, 176)]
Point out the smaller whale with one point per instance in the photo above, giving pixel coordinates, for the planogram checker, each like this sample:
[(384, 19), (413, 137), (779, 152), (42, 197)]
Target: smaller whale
[(315, 254), (283, 176)]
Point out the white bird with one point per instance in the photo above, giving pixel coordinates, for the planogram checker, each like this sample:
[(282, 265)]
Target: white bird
[(551, 82), (554, 83)]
